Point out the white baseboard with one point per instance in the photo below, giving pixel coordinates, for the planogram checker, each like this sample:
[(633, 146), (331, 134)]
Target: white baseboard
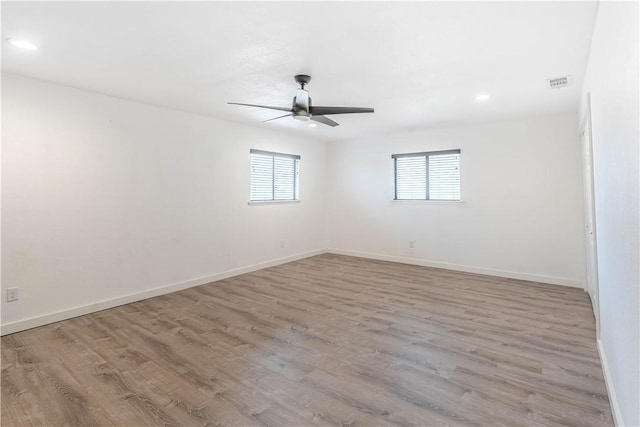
[(465, 268), (21, 325), (611, 391)]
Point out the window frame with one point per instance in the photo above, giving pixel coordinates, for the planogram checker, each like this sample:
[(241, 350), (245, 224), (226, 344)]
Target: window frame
[(296, 177), (426, 155)]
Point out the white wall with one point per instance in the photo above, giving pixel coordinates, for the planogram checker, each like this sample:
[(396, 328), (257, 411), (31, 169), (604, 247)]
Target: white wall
[(103, 199), (612, 81), (522, 212)]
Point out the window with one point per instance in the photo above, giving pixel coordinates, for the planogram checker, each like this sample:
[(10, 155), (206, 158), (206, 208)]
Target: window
[(427, 176), (274, 176)]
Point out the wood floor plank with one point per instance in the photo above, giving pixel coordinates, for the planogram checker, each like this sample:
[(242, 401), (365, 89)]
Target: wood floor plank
[(328, 340)]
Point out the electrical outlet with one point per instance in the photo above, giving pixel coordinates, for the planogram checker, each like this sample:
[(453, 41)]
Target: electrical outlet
[(282, 243), (412, 244), (12, 294)]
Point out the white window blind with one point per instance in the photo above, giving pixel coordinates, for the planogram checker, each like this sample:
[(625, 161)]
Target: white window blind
[(427, 176), (274, 176)]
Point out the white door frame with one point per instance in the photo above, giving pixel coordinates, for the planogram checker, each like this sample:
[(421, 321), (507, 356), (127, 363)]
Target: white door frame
[(592, 286)]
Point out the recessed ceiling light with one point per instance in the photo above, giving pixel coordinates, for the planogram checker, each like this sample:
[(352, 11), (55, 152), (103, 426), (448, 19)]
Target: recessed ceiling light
[(483, 97), (22, 44), (313, 125)]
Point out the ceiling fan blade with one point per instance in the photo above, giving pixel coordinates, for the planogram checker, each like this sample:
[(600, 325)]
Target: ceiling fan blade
[(261, 106), (325, 121), (276, 118), (338, 110)]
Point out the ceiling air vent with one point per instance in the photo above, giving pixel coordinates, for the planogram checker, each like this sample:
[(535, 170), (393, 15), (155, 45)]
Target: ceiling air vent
[(559, 82)]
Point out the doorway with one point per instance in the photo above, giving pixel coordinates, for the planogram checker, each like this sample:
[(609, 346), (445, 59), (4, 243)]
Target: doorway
[(590, 213)]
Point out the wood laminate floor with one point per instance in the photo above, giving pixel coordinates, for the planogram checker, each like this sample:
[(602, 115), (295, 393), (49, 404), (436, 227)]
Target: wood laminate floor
[(328, 340)]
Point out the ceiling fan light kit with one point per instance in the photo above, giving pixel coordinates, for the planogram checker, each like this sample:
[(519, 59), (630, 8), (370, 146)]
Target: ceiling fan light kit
[(302, 110)]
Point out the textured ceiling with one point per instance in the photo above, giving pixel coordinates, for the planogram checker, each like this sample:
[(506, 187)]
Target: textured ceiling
[(418, 64)]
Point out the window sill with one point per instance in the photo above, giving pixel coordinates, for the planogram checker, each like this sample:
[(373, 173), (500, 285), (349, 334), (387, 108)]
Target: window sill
[(272, 202), (428, 202)]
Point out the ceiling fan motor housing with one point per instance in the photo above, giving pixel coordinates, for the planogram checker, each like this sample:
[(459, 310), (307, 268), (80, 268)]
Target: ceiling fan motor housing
[(301, 108)]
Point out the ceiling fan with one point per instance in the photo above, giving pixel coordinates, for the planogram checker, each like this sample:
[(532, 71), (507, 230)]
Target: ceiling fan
[(303, 110)]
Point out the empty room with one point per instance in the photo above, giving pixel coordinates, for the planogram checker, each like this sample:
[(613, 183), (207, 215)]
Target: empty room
[(320, 214)]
